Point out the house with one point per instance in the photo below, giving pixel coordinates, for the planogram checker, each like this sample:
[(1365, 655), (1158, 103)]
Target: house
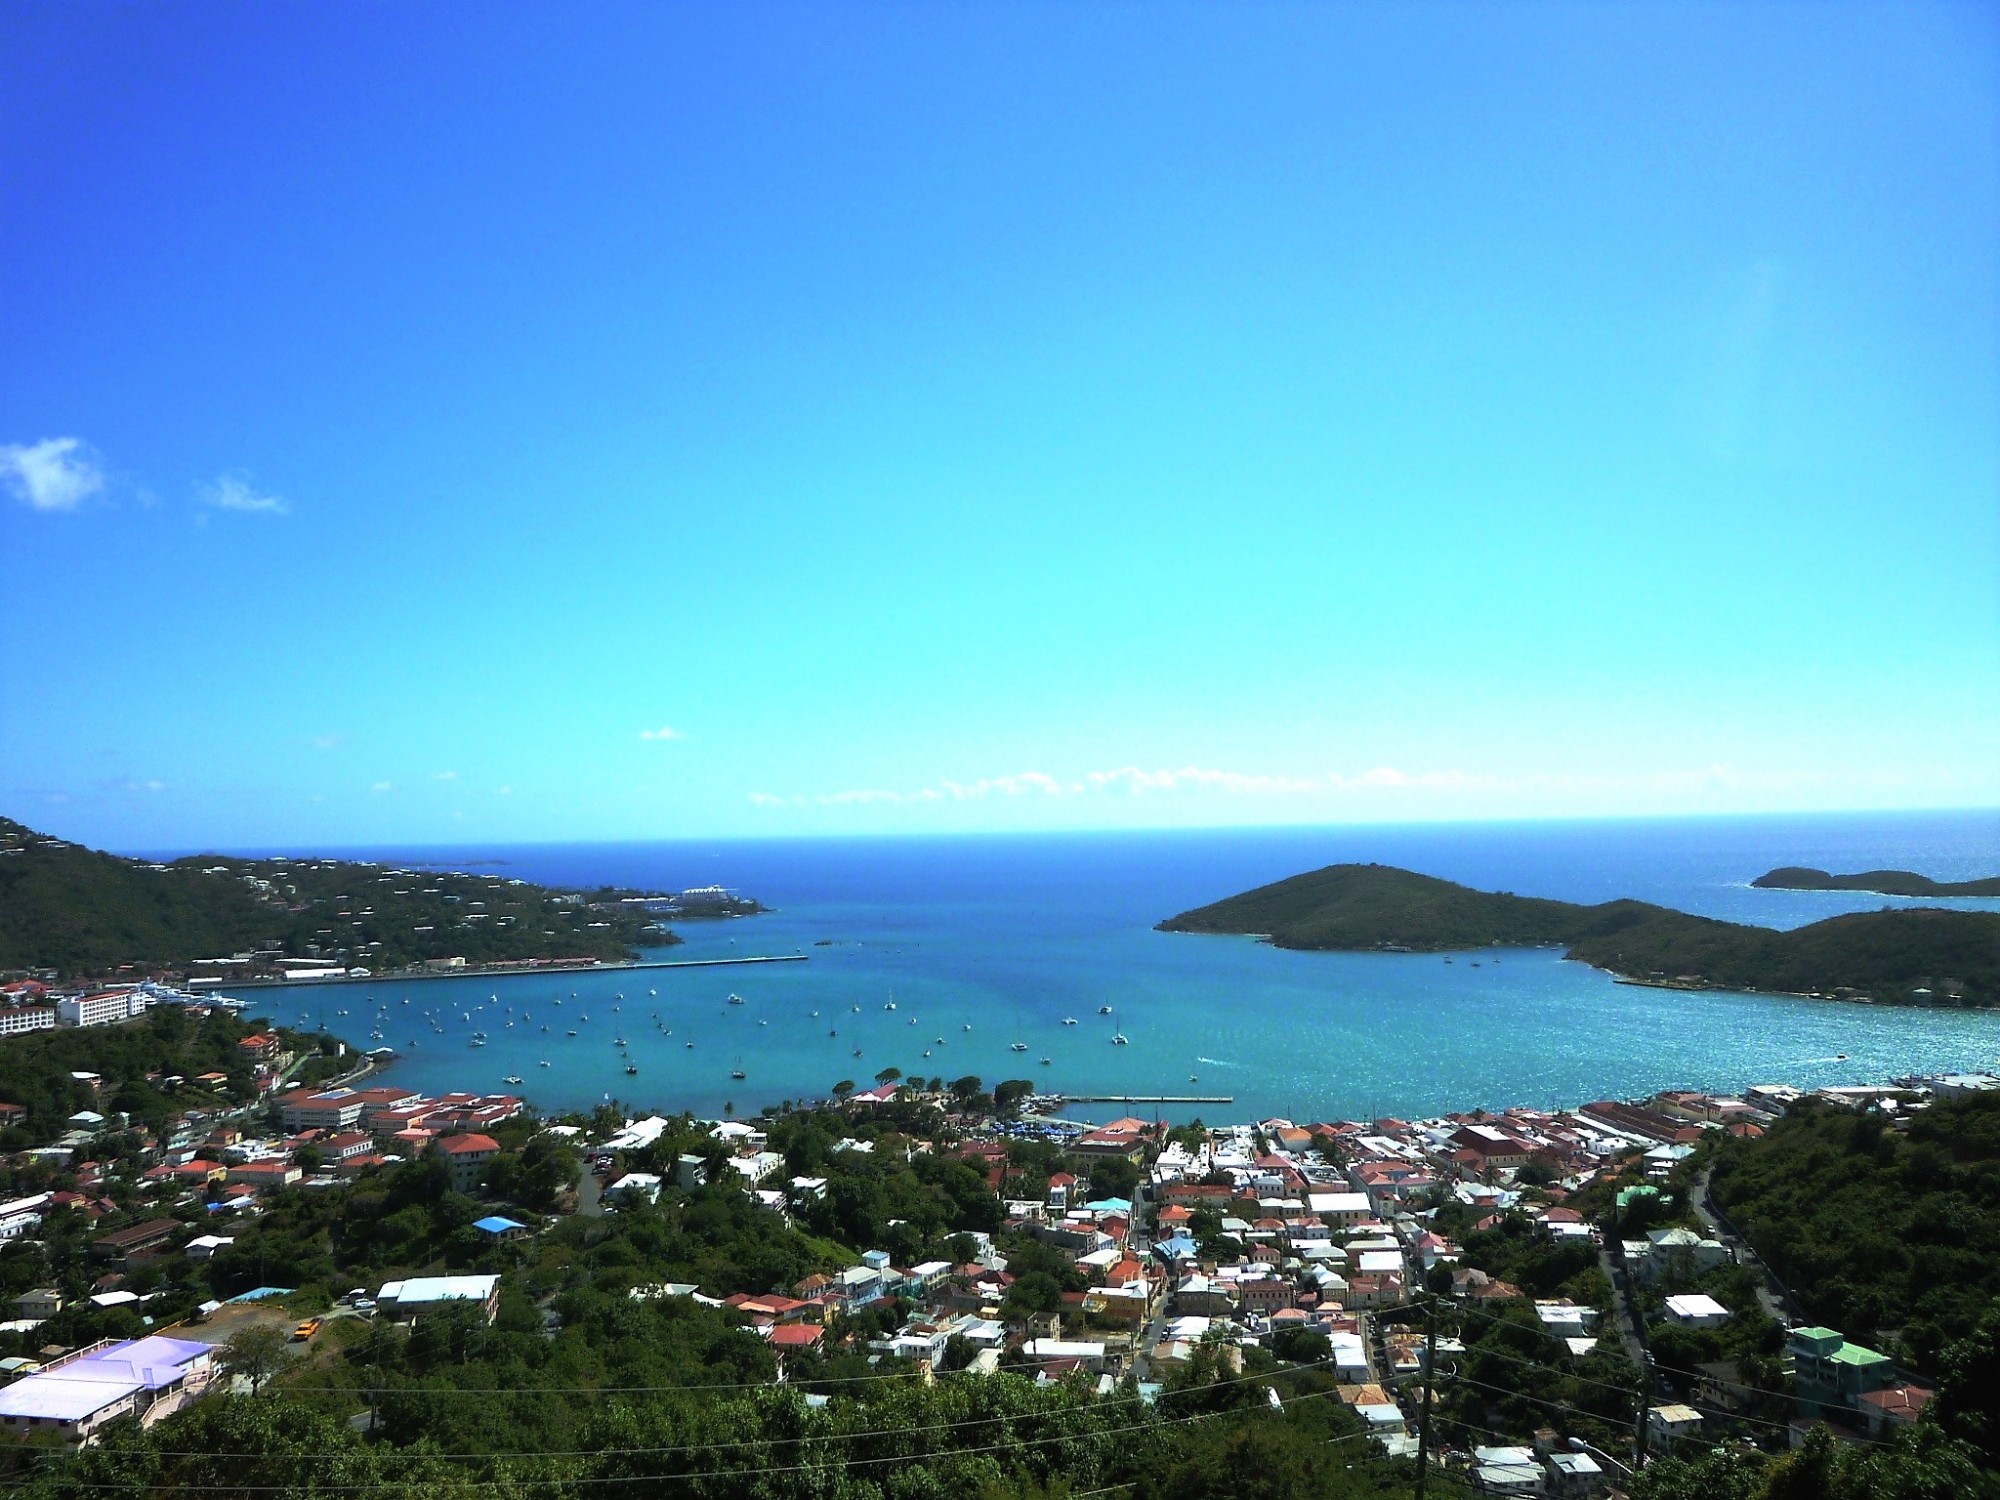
[(1507, 1471), (138, 1243), (466, 1156), (20, 1215), (405, 1301), (1668, 1425), (788, 1339), (1680, 1251), (496, 1227), (635, 1185), (260, 1046), (1574, 1476), (1693, 1310), (39, 1305), (74, 1396), (1088, 1356), (1893, 1407), (264, 1174)]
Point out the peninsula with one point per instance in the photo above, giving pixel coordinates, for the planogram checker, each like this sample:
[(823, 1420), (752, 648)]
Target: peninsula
[(1879, 882), (68, 911), (1906, 957)]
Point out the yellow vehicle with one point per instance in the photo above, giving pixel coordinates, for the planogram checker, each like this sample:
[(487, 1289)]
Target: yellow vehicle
[(306, 1329)]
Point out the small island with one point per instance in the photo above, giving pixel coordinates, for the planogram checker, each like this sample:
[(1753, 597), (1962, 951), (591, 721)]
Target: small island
[(1904, 957), (1877, 882)]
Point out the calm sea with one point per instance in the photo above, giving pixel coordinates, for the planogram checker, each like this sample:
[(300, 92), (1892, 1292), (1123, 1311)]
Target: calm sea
[(983, 942)]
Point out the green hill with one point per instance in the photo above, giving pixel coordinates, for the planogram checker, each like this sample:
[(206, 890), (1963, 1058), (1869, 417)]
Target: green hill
[(1897, 957), (1879, 882), (1886, 1236), (82, 912)]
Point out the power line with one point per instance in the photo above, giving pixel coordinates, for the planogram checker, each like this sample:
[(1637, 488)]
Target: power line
[(829, 1437), (399, 1484)]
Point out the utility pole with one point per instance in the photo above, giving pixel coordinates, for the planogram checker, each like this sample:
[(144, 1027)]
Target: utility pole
[(1430, 1378)]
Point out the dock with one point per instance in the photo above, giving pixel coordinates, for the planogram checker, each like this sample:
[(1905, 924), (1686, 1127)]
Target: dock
[(1149, 1098), (405, 976)]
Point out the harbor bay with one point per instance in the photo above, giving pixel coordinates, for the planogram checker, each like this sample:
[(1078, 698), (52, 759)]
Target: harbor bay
[(984, 956)]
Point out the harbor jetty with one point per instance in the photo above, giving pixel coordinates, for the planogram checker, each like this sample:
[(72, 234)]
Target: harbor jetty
[(513, 971)]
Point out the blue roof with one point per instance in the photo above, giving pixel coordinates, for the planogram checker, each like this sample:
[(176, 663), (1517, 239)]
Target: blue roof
[(494, 1224), (258, 1294), (1176, 1247)]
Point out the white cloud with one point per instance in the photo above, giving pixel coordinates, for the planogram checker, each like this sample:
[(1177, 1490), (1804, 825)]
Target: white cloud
[(233, 492), (54, 474), (1135, 780), (444, 776), (664, 732), (383, 786)]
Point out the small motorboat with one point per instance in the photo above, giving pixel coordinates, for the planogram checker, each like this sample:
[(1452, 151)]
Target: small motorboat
[(631, 1067), (512, 1078)]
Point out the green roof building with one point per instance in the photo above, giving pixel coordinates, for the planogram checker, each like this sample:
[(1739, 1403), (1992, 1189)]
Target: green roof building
[(1830, 1375)]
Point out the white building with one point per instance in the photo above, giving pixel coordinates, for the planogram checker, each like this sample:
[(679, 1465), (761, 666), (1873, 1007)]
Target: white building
[(18, 1019), (424, 1294), (1694, 1310), (102, 1009)]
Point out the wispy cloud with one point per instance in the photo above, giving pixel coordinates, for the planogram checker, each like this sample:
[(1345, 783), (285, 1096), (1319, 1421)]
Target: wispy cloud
[(664, 732), (383, 786), (444, 776), (328, 741), (233, 492), (54, 474)]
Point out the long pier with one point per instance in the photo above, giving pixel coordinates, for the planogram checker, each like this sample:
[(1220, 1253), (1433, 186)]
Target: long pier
[(1149, 1098), (406, 976)]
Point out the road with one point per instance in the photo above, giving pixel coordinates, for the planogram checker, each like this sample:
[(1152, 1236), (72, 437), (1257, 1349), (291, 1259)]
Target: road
[(1769, 1295)]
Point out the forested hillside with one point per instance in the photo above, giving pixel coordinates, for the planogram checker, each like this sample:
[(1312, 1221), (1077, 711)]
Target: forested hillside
[(1895, 957), (79, 911), (1891, 1236)]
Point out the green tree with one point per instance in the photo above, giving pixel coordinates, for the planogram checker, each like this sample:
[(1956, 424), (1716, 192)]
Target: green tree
[(256, 1354)]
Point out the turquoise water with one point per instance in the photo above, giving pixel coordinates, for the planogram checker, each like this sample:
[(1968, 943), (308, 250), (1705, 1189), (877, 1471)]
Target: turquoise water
[(1009, 936)]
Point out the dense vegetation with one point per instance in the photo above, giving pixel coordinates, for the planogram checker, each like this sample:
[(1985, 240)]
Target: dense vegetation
[(1893, 1237), (148, 1068), (1900, 957), (1881, 882), (79, 911)]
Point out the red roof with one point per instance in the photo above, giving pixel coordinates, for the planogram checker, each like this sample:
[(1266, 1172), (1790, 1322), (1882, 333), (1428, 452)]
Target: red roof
[(461, 1145), (797, 1335)]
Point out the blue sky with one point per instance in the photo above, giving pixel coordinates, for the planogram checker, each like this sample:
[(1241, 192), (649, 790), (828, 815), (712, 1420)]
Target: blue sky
[(488, 422)]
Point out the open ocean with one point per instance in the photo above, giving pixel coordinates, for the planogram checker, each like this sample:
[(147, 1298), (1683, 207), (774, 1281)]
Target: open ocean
[(1008, 935)]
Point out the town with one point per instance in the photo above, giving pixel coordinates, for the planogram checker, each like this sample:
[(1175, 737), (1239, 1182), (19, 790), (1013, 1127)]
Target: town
[(1528, 1301)]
